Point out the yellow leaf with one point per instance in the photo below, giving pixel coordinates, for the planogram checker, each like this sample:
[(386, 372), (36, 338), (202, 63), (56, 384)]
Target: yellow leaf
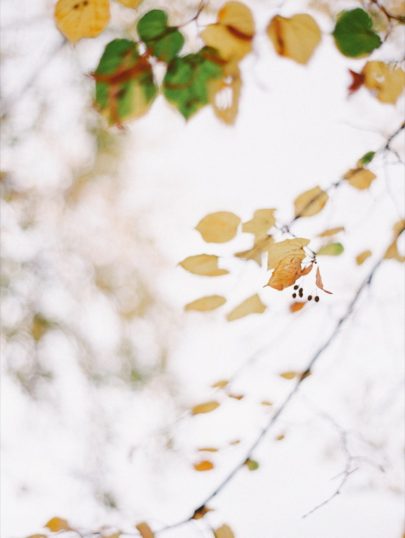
[(207, 449), (263, 220), (386, 81), (290, 374), (205, 407), (224, 93), (57, 524), (203, 465), (144, 530), (201, 512), (310, 202), (392, 253), (206, 304), (233, 33), (130, 3), (362, 256), (218, 227), (319, 282), (287, 272), (331, 231), (224, 531), (203, 264), (77, 19), (280, 437), (257, 251), (266, 403), (360, 178), (37, 536), (297, 306), (221, 384), (251, 305), (289, 248), (296, 37)]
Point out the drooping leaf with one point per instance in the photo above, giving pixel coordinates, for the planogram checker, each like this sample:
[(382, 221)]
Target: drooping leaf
[(289, 248), (360, 178), (203, 465), (256, 252), (125, 87), (218, 227), (363, 256), (224, 93), (310, 202), (252, 465), (356, 82), (297, 306), (319, 282), (386, 81), (251, 305), (263, 220), (206, 407), (331, 249), (205, 304), (354, 34), (186, 83), (224, 531), (365, 159), (77, 19), (144, 530), (203, 264), (286, 273), (296, 37), (201, 512), (332, 231), (162, 40), (57, 524), (233, 33)]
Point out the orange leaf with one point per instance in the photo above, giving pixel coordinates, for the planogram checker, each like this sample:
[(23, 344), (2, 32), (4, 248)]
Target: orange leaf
[(297, 306), (203, 465), (57, 524), (319, 282), (144, 530)]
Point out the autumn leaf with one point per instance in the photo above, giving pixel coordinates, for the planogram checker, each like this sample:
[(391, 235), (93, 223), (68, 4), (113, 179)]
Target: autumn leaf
[(289, 248), (360, 178), (221, 384), (130, 3), (218, 227), (287, 272), (386, 81), (224, 93), (203, 264), (354, 34), (363, 256), (207, 449), (224, 531), (77, 19), (203, 465), (263, 220), (297, 306), (233, 33), (266, 403), (319, 282), (256, 252), (365, 159), (201, 512), (252, 465), (296, 37), (290, 374), (37, 536), (205, 407), (163, 41), (357, 81), (280, 437), (392, 251), (57, 524), (331, 249), (144, 530), (251, 305), (205, 304), (310, 202), (332, 231)]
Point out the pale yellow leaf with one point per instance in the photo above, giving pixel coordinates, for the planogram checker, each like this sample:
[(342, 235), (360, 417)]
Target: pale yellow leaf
[(218, 227), (296, 37), (238, 17), (221, 384), (57, 524), (205, 407), (77, 19), (251, 305), (207, 449), (204, 265), (256, 252), (290, 374), (37, 536), (206, 304), (386, 81), (144, 530), (310, 202), (360, 178), (224, 93), (266, 403), (130, 3), (288, 248), (362, 256), (224, 531), (203, 465), (260, 224), (392, 253), (332, 231)]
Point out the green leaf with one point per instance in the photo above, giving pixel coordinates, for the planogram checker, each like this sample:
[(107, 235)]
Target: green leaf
[(366, 159), (114, 53), (332, 249), (354, 34), (252, 465), (187, 78), (163, 41)]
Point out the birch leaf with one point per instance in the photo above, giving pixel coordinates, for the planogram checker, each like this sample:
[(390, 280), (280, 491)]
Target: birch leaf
[(144, 530), (354, 34), (203, 465), (319, 282), (363, 256), (260, 224), (289, 248), (360, 178), (206, 407), (256, 252), (332, 249), (310, 202), (287, 272), (251, 305), (224, 531), (224, 93), (387, 82), (77, 19), (252, 465), (332, 231), (296, 37), (218, 227), (57, 524), (203, 264), (205, 304)]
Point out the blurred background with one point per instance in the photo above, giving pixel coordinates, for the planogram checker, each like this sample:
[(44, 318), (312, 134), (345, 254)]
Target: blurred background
[(100, 362)]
